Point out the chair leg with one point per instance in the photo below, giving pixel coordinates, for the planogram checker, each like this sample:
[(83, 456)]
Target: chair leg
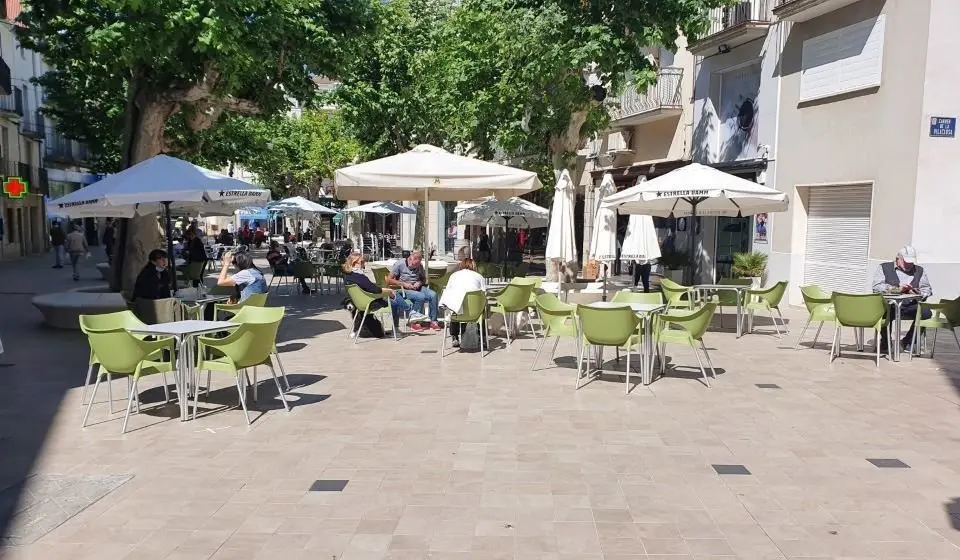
[(802, 332), (933, 347), (775, 325), (283, 373), (280, 392), (954, 333), (533, 331), (876, 343), (817, 335), (93, 397), (362, 321), (243, 400), (480, 333), (255, 384), (702, 369), (713, 370), (133, 392), (506, 328), (86, 382), (583, 351), (835, 347), (110, 392), (443, 337), (782, 322), (543, 341), (627, 383), (166, 388)]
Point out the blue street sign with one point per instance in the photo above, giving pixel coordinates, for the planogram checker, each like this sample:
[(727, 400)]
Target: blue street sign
[(943, 127)]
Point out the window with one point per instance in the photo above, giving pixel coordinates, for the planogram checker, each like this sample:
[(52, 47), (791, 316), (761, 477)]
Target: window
[(843, 61)]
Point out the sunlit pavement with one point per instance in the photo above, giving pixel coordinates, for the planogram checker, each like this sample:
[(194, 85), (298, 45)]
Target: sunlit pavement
[(482, 458)]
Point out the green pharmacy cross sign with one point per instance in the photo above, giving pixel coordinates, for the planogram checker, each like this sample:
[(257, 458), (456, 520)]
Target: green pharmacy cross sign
[(15, 187)]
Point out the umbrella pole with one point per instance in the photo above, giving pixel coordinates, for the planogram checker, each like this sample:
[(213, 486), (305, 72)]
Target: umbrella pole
[(168, 228), (694, 260)]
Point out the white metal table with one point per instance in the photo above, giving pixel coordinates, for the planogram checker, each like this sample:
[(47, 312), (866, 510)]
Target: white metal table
[(738, 288), (183, 332), (897, 301), (646, 311)]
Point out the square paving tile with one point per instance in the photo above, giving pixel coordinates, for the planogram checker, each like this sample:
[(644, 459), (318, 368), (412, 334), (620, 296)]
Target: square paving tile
[(768, 386), (730, 469), (328, 485)]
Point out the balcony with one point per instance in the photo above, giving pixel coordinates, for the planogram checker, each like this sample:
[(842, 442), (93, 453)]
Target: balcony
[(59, 149), (804, 10), (661, 100), (732, 26), (32, 126), (11, 106), (6, 85)]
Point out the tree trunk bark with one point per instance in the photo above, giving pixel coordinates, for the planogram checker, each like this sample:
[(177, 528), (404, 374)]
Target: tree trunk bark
[(141, 234)]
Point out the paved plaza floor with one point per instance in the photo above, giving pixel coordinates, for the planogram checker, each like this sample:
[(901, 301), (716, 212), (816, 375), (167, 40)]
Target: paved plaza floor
[(392, 453)]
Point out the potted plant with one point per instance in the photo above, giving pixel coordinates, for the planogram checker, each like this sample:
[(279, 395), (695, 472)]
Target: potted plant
[(750, 265), (674, 262)]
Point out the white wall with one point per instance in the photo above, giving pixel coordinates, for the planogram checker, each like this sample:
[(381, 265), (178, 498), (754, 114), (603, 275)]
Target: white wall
[(935, 237)]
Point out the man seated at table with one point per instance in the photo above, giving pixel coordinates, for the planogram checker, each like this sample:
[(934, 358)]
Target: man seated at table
[(353, 274), (153, 282), (903, 276), (410, 275)]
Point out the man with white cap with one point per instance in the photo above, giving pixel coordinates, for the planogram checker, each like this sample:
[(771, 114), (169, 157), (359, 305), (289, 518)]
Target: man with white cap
[(907, 277)]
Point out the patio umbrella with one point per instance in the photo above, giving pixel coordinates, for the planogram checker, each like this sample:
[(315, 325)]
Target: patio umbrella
[(603, 244), (500, 213), (383, 208), (161, 183), (298, 206), (428, 173), (697, 190), (560, 236), (640, 242)]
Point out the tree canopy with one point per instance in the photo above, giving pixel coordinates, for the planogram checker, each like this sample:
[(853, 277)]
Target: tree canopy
[(130, 77)]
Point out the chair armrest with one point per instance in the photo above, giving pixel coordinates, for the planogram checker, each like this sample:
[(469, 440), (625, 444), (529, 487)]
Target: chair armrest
[(678, 318), (761, 292), (153, 346)]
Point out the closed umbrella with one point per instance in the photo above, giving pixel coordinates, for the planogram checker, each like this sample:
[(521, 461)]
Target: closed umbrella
[(603, 244), (698, 190), (561, 248), (640, 243)]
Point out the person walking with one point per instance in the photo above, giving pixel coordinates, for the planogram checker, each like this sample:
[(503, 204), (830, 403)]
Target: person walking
[(109, 240), (76, 244), (57, 239)]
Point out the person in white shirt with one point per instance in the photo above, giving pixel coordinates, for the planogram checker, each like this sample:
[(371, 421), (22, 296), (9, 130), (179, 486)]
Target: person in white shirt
[(903, 275), (464, 280)]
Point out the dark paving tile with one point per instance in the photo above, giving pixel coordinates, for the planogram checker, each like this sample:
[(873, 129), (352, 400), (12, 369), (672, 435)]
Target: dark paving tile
[(328, 485), (889, 463), (730, 469), (768, 386)]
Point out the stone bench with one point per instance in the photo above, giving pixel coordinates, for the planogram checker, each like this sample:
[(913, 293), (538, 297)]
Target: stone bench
[(62, 310), (105, 270)]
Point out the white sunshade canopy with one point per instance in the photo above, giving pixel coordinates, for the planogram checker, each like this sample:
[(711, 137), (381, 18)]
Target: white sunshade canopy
[(699, 190), (381, 207), (430, 173), (145, 187), (603, 244), (561, 244), (640, 243), (514, 211), (299, 204)]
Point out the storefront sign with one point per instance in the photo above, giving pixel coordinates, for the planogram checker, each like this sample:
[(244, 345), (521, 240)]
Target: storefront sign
[(15, 187), (760, 228), (943, 127)]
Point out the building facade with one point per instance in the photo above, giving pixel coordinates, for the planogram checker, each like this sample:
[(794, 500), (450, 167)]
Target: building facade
[(48, 164), (867, 148)]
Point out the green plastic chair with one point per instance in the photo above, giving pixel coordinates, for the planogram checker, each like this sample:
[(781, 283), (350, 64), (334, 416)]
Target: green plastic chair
[(767, 299), (363, 300), (488, 270), (536, 282), (515, 298), (473, 310), (559, 320), (254, 300), (607, 326), (819, 308), (380, 274), (728, 298), (110, 322), (689, 332), (860, 311), (250, 345), (945, 314), (676, 295), (121, 354), (628, 296), (192, 272), (241, 317), (332, 274), (305, 271), (439, 284)]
